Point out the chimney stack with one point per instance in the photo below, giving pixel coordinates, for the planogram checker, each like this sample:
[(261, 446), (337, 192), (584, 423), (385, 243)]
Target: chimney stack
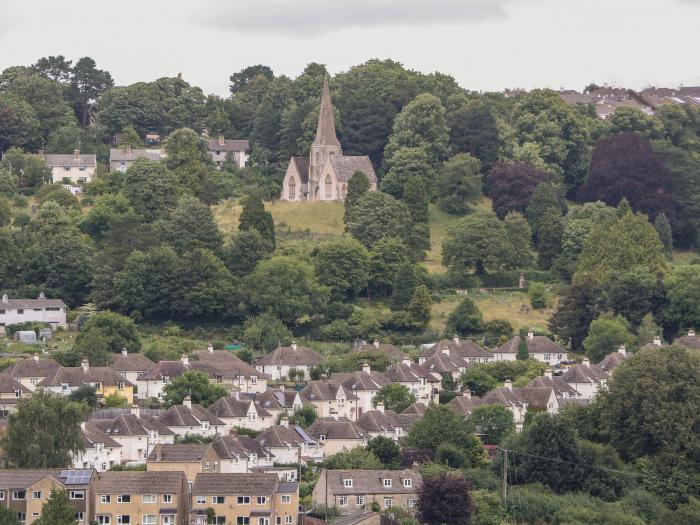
[(586, 362), (284, 421), (210, 348), (76, 154), (657, 340), (380, 407), (376, 343), (125, 352), (691, 332), (455, 338), (548, 373), (42, 295), (622, 350), (406, 361), (221, 140), (508, 384), (530, 335), (159, 452), (236, 394), (467, 393), (135, 410), (85, 364), (294, 345), (366, 368), (187, 402), (35, 357), (5, 299), (184, 359)]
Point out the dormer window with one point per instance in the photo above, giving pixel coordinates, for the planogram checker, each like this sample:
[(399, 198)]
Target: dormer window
[(347, 483), (387, 482), (322, 437), (407, 482)]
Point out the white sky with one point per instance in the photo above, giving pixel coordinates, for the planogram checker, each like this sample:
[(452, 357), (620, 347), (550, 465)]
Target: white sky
[(484, 44)]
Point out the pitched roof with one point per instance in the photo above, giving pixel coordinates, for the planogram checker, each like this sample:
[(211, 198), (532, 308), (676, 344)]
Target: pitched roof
[(531, 396), (228, 145), (40, 302), (321, 390), (585, 374), (182, 416), (32, 368), (372, 481), (325, 131), (178, 453), (229, 406), (302, 166), (131, 362), (413, 373), (464, 405), (341, 428), (415, 409), (612, 361), (126, 155), (224, 364), (380, 421), (281, 436), (272, 399), (291, 356), (441, 363), (345, 167), (229, 447), (76, 376), (92, 435), (69, 159), (24, 478), (359, 380), (689, 341), (164, 369), (509, 347), (129, 425), (140, 482), (9, 385), (539, 344), (457, 347), (561, 387), (235, 484)]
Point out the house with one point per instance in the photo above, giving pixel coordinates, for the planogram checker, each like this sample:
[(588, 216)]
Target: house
[(392, 352), (541, 348), (586, 379), (508, 351), (364, 384), (278, 402), (380, 422), (277, 364), (446, 365), (690, 340), (325, 173), (241, 454), (465, 403), (330, 399), (421, 382), (241, 411), (223, 367), (11, 392), (141, 497), (614, 359), (101, 452), (412, 414), (30, 372), (67, 379), (336, 434), (131, 366), (464, 348), (25, 491), (192, 459), (191, 419), (77, 168), (244, 499), (356, 490), (562, 390), (120, 159), (137, 434), (41, 310), (521, 400), (222, 150), (290, 443)]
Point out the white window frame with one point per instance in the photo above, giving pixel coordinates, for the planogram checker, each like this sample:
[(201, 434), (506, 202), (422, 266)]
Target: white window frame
[(243, 500), (201, 500), (120, 498), (262, 500), (359, 500), (36, 494), (167, 498), (148, 519), (105, 498), (388, 502), (286, 498), (148, 498), (215, 500), (347, 483), (342, 501), (386, 482), (407, 482)]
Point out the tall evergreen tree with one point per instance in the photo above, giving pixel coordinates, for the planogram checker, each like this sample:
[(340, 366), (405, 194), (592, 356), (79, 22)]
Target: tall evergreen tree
[(416, 198), (419, 307), (543, 199), (254, 217), (404, 286), (663, 228), (551, 229)]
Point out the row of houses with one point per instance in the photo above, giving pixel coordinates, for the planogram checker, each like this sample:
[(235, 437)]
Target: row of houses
[(153, 497)]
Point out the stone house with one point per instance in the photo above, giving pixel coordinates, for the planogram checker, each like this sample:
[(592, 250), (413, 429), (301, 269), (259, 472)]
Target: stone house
[(465, 403), (131, 366), (508, 351), (221, 150), (101, 451), (420, 381), (191, 419), (30, 372), (241, 454), (330, 399), (380, 422), (278, 402), (239, 411), (192, 459), (464, 348), (521, 400), (364, 384), (337, 434), (79, 168), (121, 159), (290, 443), (11, 392)]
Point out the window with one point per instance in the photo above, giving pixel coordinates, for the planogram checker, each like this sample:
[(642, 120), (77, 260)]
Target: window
[(292, 188), (120, 385), (241, 380), (387, 482), (343, 501), (18, 393), (34, 381), (124, 519), (253, 380), (243, 500), (547, 357), (322, 437), (66, 168), (82, 168), (19, 494), (388, 502), (201, 500), (359, 500), (103, 520), (20, 311), (278, 520), (124, 498), (217, 499), (411, 503), (220, 520), (105, 498), (242, 520), (2, 312), (22, 516), (286, 499), (329, 187), (347, 483), (262, 500), (35, 514), (407, 482), (79, 516), (167, 519), (36, 494), (167, 498), (287, 519), (3, 415), (148, 519), (263, 521), (2, 495), (148, 498)]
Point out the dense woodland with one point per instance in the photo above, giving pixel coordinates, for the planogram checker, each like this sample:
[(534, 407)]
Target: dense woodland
[(591, 212)]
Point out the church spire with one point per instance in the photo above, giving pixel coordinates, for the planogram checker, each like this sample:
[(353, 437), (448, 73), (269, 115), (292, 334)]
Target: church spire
[(325, 132)]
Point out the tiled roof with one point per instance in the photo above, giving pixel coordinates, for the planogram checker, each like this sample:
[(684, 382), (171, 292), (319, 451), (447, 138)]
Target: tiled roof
[(76, 376), (92, 434), (612, 361), (561, 387), (345, 167), (442, 363), (385, 348), (229, 406), (9, 385), (182, 416), (122, 154), (291, 356), (225, 364), (178, 453), (32, 368), (281, 436), (129, 425), (228, 145), (69, 159), (228, 447), (341, 428), (132, 362), (272, 399), (509, 347), (140, 482), (540, 344), (464, 405), (32, 303), (302, 165), (226, 484), (689, 341), (372, 481), (323, 391), (415, 409), (585, 374), (359, 380), (379, 421), (518, 396), (413, 373), (24, 478), (164, 369)]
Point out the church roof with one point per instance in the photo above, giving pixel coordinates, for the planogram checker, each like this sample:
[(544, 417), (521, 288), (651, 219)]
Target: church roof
[(345, 167), (302, 165), (325, 132)]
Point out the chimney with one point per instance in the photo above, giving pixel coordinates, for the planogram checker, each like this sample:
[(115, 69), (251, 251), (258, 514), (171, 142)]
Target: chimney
[(380, 407), (406, 361), (127, 149), (467, 393), (82, 425), (85, 364), (294, 345), (179, 76), (210, 348), (508, 384), (281, 387), (284, 421), (5, 299), (366, 368), (657, 340), (221, 140), (35, 357), (586, 362), (125, 352), (76, 154), (622, 350), (236, 394), (530, 335), (159, 452), (184, 359), (42, 295), (187, 402), (135, 410), (691, 332), (376, 343), (446, 350), (548, 373), (455, 338)]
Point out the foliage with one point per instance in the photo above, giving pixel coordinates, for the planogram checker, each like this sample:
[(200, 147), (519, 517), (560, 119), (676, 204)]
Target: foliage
[(459, 184), (193, 384), (150, 189), (395, 397), (115, 400), (511, 186), (265, 332), (119, 331), (378, 216), (682, 293), (495, 422), (304, 417), (478, 381), (445, 499), (465, 320), (403, 286), (343, 266), (191, 226), (254, 217), (419, 307), (356, 458), (57, 510), (663, 228), (538, 295), (386, 450), (358, 186), (244, 252), (84, 393)]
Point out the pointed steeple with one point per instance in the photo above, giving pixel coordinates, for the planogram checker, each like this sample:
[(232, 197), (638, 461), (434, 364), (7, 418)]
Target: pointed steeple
[(325, 132)]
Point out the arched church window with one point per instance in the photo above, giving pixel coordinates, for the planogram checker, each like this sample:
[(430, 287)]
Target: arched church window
[(292, 188), (329, 187)]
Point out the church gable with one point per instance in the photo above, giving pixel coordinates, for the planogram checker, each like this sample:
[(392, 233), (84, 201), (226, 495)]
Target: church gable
[(295, 184)]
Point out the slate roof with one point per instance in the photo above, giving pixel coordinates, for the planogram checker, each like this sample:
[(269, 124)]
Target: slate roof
[(131, 362), (124, 155), (302, 165), (182, 416), (229, 447), (9, 385), (612, 361), (291, 356), (359, 380), (560, 386), (235, 484), (281, 436), (41, 302), (164, 369), (32, 368), (76, 376), (540, 344), (129, 425), (325, 130), (371, 481), (509, 347), (272, 399), (224, 364), (93, 434), (24, 478), (380, 421), (531, 396), (460, 347), (68, 159), (228, 145), (689, 341), (464, 405), (178, 453), (443, 363), (341, 428), (345, 167), (413, 373), (415, 409), (321, 390), (585, 374), (140, 482), (229, 406)]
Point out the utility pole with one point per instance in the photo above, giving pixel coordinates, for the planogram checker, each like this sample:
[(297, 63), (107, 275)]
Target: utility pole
[(505, 475)]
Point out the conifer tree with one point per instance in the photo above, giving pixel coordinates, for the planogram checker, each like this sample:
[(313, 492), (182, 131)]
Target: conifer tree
[(523, 354), (404, 286), (57, 510), (663, 228), (254, 217), (543, 199), (357, 187), (415, 197), (419, 307)]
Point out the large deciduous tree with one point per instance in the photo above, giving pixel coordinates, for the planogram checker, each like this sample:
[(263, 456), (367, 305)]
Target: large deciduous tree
[(57, 510), (193, 384), (445, 499), (343, 266), (120, 332), (511, 186), (150, 189), (395, 397), (459, 184), (254, 217), (378, 216)]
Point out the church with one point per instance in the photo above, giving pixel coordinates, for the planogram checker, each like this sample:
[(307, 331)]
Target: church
[(325, 173)]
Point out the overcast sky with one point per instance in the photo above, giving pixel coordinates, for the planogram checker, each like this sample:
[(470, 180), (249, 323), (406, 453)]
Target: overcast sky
[(484, 44)]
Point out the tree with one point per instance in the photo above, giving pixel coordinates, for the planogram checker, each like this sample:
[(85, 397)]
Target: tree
[(549, 234), (46, 97), (304, 416), (395, 397), (386, 450), (88, 83), (57, 510), (54, 67), (478, 381), (511, 186), (404, 286), (625, 165), (84, 394), (409, 163), (479, 242), (94, 346), (150, 189), (632, 119), (193, 384), (474, 130), (520, 238), (378, 216), (19, 125), (683, 297), (358, 186), (631, 293), (343, 266), (495, 422), (419, 307), (575, 311), (605, 335), (44, 432), (647, 331), (265, 332), (254, 217), (416, 198), (459, 184), (466, 319), (445, 499), (120, 332), (538, 296), (544, 200), (356, 458), (245, 251), (240, 80), (191, 226), (31, 170), (286, 287), (387, 256), (8, 516), (663, 228), (8, 182), (115, 400)]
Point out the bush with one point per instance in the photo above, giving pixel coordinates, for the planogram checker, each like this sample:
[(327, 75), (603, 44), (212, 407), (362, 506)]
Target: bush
[(538, 295)]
